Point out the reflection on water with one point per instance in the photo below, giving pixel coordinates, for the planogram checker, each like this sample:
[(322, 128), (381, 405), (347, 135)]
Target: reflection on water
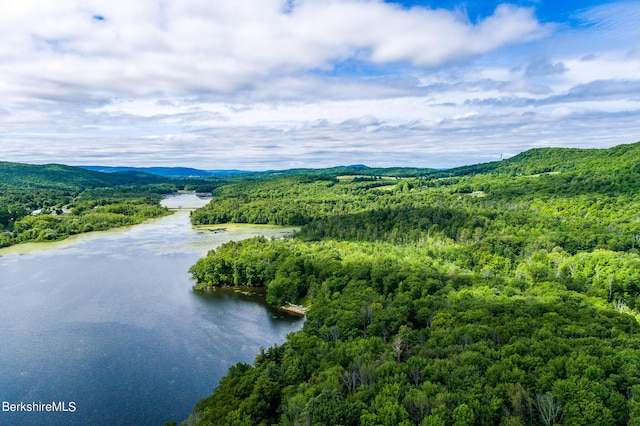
[(110, 322)]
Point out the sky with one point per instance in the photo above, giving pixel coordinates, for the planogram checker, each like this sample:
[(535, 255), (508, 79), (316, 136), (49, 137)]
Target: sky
[(278, 84)]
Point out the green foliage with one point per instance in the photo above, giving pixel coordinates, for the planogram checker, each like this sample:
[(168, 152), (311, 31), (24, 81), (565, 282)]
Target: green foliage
[(499, 294), (50, 202), (63, 177)]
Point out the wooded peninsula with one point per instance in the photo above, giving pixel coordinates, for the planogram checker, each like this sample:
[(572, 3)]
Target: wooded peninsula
[(504, 293)]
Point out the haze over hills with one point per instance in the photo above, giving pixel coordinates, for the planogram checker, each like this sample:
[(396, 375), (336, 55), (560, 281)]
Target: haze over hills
[(537, 160), (187, 172), (173, 172)]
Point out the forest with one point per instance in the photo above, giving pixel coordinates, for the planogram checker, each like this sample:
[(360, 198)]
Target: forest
[(51, 202), (505, 293)]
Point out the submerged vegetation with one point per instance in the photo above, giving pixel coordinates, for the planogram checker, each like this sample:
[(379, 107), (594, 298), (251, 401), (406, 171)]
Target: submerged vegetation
[(505, 293)]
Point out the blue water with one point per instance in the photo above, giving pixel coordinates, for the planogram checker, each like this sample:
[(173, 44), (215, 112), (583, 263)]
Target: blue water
[(111, 323)]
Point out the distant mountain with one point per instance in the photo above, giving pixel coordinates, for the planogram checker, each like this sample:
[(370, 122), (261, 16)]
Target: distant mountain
[(359, 169), (171, 172), (230, 172), (160, 171)]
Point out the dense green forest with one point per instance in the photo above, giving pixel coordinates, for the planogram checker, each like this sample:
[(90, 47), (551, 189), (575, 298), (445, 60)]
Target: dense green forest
[(504, 293), (50, 202)]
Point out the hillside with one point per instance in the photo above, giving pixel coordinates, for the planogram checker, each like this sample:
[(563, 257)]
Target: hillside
[(544, 160), (50, 202), (507, 294), (621, 157), (66, 177)]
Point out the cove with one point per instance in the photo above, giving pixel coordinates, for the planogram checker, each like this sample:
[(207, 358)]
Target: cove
[(109, 321)]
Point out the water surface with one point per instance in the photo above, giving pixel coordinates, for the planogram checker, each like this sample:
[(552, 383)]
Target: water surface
[(109, 321)]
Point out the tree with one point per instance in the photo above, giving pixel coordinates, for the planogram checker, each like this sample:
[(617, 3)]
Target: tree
[(463, 416), (549, 408)]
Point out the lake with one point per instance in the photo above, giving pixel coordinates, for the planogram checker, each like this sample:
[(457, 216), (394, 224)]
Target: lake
[(108, 323)]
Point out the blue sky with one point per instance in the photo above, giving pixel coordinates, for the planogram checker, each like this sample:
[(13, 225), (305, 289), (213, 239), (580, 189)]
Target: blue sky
[(545, 10), (264, 84)]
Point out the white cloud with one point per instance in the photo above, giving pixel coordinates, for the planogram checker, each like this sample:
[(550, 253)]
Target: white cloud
[(184, 46), (561, 112), (258, 84), (607, 66)]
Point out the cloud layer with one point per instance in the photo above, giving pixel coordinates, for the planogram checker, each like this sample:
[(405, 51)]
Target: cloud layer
[(183, 47), (268, 83)]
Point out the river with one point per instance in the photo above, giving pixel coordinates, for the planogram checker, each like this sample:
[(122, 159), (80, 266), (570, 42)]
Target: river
[(107, 324)]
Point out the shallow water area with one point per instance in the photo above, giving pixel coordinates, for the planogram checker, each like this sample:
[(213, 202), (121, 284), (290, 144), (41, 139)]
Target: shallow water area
[(109, 321)]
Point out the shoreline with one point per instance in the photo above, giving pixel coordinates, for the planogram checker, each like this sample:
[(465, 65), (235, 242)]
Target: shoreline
[(30, 246), (293, 309), (259, 292)]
